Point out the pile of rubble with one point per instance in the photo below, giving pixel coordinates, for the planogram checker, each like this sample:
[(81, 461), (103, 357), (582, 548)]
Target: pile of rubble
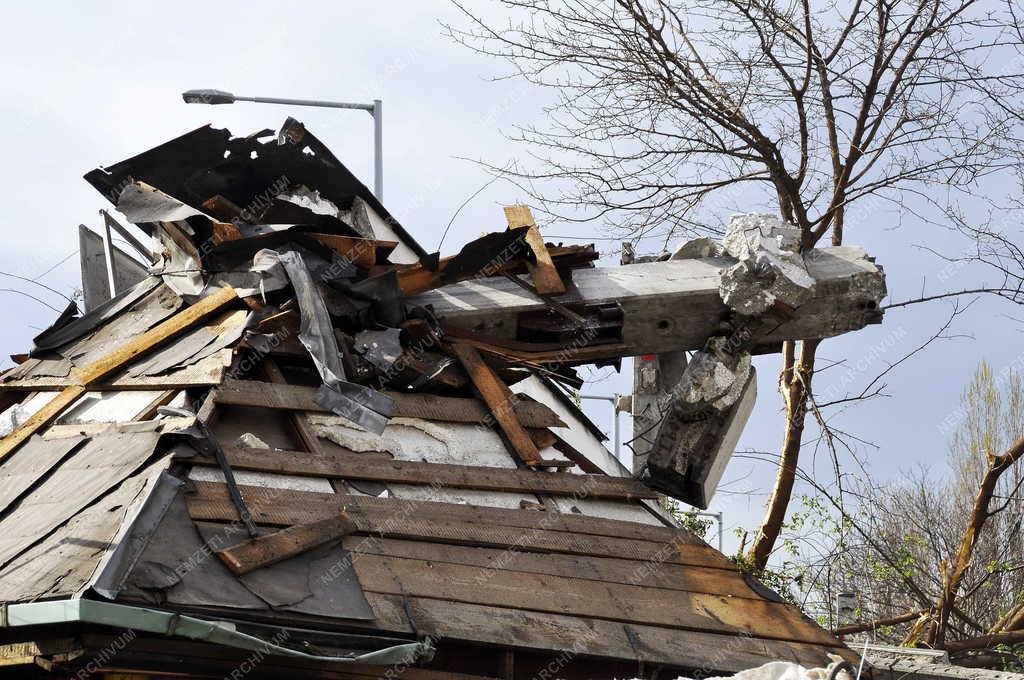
[(377, 447), (326, 272)]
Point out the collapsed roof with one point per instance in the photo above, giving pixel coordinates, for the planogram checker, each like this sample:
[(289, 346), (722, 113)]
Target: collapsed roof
[(301, 433)]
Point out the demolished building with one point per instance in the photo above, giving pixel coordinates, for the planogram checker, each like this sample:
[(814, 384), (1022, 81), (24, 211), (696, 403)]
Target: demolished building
[(300, 445)]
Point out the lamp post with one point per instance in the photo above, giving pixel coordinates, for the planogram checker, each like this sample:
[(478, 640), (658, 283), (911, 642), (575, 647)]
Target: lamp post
[(374, 109)]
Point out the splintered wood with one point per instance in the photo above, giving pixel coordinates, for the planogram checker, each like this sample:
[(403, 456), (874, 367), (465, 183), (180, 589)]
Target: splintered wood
[(500, 400), (545, 277), (264, 551)]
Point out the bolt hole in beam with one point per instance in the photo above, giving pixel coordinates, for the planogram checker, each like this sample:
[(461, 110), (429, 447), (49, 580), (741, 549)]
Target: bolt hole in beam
[(664, 325)]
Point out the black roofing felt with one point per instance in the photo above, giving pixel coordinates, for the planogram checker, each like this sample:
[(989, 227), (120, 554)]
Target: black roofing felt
[(208, 161)]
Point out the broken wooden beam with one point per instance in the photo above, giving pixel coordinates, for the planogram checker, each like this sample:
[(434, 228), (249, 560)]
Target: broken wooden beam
[(543, 272), (110, 363), (500, 401), (264, 551)]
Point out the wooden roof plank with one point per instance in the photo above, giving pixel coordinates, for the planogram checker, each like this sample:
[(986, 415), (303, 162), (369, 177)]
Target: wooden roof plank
[(269, 549), (424, 406), (300, 504), (464, 525), (358, 467), (521, 629), (661, 575), (576, 597)]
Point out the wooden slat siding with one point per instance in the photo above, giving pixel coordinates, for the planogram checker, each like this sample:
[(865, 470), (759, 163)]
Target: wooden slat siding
[(295, 501), (272, 548), (500, 401), (661, 575), (522, 629), (425, 406), (111, 362), (417, 521), (545, 277), (334, 465), (575, 597)]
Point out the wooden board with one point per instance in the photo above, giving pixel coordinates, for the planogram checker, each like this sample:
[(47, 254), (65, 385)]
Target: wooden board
[(361, 251), (548, 532), (500, 401), (662, 575), (285, 507), (359, 467), (545, 277), (566, 595), (520, 629), (424, 406), (272, 548)]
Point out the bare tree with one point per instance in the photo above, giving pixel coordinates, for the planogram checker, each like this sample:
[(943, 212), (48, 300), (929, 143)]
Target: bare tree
[(937, 560), (668, 110)]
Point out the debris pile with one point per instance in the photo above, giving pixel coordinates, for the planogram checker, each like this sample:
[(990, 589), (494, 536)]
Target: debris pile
[(328, 274), (377, 447)]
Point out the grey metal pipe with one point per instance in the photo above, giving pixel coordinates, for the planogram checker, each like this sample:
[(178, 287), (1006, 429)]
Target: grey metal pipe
[(378, 149), (616, 437), (307, 102), (108, 255)]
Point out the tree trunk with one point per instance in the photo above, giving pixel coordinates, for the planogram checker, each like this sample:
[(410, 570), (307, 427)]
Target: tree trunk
[(953, 574), (795, 385)]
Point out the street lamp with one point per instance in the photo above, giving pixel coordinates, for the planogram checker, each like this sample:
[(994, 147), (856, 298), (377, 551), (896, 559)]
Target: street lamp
[(374, 109)]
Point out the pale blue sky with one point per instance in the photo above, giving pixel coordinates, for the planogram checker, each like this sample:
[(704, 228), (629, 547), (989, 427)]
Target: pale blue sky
[(86, 85)]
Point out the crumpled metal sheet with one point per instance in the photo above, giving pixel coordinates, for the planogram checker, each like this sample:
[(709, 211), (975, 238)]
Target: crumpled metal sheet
[(142, 205), (381, 348), (114, 573), (366, 407)]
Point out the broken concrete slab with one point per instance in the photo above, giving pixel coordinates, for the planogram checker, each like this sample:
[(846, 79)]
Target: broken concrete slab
[(770, 270)]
